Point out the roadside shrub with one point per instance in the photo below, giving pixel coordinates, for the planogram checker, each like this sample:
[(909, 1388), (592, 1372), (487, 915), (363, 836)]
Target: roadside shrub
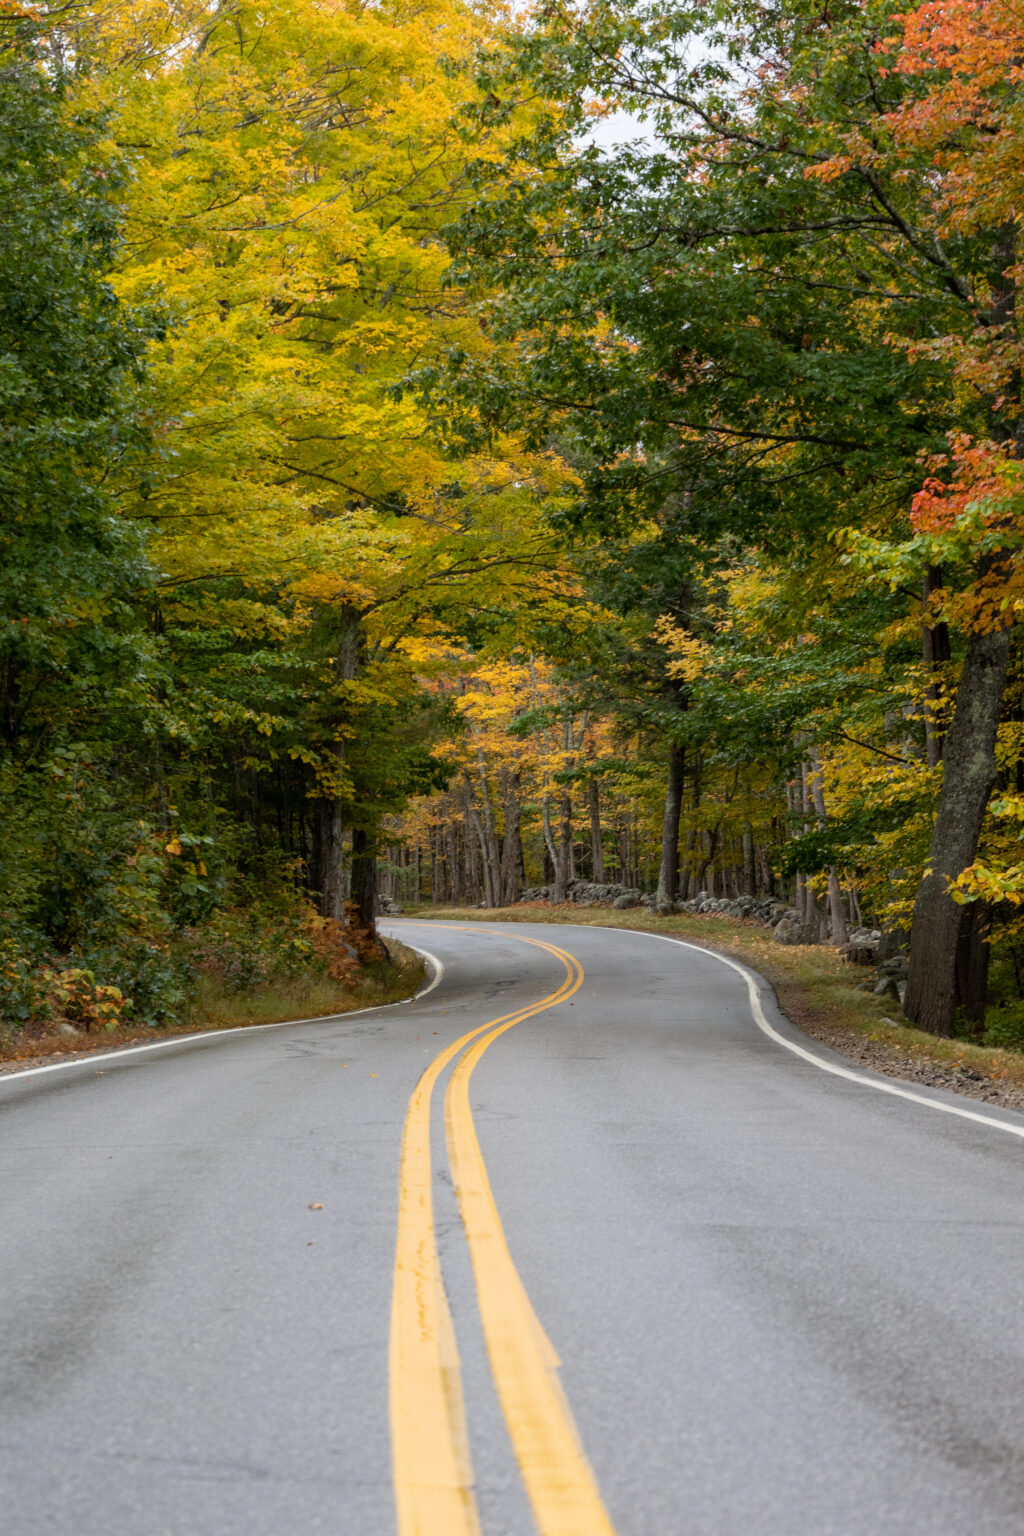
[(1004, 1027), (21, 986), (155, 982), (75, 996), (244, 947)]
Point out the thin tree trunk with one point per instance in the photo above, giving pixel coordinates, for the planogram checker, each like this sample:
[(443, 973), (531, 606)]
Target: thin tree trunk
[(970, 770), (935, 650), (691, 878), (767, 874), (596, 843), (810, 912), (491, 850), (835, 890), (749, 862), (563, 853), (668, 874), (512, 849), (485, 837), (857, 912), (686, 880), (707, 860), (333, 809), (549, 841), (840, 933), (364, 878), (809, 916), (972, 957)]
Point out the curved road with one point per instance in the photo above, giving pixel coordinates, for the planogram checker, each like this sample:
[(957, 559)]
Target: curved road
[(249, 1288)]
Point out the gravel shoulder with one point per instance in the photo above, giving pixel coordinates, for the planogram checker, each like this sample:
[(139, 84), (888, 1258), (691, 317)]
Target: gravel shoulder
[(880, 1056)]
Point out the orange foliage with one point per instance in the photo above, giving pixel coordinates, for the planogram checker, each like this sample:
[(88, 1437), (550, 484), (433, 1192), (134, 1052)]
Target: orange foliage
[(969, 118), (981, 480)]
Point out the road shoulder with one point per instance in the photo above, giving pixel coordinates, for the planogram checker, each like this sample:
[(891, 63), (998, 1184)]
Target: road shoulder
[(817, 992)]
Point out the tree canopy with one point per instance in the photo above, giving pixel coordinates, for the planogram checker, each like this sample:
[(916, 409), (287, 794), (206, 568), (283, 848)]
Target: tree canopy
[(400, 482)]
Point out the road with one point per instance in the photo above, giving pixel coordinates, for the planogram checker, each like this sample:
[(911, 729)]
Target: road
[(241, 1294)]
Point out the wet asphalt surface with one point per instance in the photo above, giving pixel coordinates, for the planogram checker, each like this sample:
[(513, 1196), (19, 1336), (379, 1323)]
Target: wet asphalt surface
[(785, 1304)]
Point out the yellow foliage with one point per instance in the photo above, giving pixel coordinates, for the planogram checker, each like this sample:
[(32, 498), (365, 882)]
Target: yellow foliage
[(690, 654)]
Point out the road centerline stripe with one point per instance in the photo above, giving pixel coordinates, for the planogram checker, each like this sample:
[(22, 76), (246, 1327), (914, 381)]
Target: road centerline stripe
[(430, 1449), (558, 1478)]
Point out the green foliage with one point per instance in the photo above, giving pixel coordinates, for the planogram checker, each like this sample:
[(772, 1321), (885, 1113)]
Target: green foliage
[(70, 358), (1004, 1026), (173, 566)]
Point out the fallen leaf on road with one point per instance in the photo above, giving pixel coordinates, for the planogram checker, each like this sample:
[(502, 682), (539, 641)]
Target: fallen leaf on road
[(316, 1206)]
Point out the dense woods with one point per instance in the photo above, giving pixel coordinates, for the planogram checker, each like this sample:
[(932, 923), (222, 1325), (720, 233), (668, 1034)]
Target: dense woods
[(405, 492)]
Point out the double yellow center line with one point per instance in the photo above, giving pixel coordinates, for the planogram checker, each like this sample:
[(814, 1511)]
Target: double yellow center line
[(432, 1473)]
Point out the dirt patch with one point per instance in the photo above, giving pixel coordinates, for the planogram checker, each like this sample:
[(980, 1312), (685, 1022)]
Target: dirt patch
[(46, 1050), (892, 1062)]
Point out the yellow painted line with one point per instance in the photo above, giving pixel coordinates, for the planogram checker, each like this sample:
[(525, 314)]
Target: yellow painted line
[(559, 1481), (430, 1451)]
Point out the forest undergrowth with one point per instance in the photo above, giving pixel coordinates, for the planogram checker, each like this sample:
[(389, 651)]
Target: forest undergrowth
[(232, 989)]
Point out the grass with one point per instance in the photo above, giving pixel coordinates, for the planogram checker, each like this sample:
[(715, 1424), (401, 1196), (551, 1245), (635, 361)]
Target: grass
[(309, 996), (817, 990), (215, 1006)]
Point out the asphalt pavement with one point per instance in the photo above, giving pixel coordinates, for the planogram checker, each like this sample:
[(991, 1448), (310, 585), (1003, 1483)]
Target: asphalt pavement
[(236, 1273)]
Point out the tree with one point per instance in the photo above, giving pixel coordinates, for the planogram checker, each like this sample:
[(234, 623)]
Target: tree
[(71, 358), (74, 672), (289, 184), (740, 307)]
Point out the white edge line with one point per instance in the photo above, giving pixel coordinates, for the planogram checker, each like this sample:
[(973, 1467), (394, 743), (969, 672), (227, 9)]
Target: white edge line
[(225, 1034), (438, 971), (753, 988)]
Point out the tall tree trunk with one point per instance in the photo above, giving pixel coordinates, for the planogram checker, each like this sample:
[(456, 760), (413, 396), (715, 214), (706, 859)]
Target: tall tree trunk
[(686, 879), (512, 848), (563, 852), (364, 878), (856, 915), (749, 862), (711, 844), (668, 874), (767, 873), (840, 933), (489, 846), (333, 808), (969, 773), (488, 862), (691, 878), (810, 914), (835, 890), (972, 957), (935, 650), (596, 843), (549, 840)]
